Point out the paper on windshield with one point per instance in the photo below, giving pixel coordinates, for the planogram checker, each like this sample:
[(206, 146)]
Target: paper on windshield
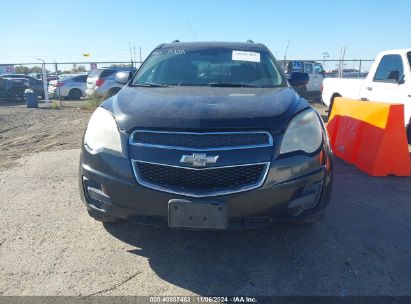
[(246, 56)]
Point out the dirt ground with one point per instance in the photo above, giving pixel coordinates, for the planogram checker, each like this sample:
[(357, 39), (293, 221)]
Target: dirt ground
[(50, 246), (24, 131)]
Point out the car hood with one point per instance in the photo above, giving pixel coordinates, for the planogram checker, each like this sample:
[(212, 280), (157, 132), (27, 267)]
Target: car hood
[(204, 108)]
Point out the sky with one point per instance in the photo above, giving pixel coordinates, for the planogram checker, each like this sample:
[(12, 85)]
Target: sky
[(63, 30)]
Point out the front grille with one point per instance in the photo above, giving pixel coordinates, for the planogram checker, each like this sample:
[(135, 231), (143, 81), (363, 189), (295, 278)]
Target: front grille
[(202, 141), (201, 182)]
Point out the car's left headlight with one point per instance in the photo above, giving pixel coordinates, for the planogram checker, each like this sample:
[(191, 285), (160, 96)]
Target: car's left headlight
[(102, 131), (304, 133)]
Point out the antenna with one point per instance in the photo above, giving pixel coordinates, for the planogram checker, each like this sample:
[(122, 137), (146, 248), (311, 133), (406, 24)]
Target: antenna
[(131, 54), (286, 50), (192, 31)]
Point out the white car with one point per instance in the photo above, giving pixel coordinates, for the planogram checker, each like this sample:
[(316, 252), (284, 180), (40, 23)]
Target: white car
[(389, 80), (103, 81), (314, 70), (72, 87)]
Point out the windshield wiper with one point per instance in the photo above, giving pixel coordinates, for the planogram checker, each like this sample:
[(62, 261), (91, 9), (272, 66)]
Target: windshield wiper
[(231, 84), (150, 85)]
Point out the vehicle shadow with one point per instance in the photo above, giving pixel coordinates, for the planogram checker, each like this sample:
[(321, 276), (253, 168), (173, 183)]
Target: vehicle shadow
[(221, 263), (350, 252)]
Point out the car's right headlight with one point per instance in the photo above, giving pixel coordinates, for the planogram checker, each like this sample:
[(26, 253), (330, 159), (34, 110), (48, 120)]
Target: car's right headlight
[(304, 133), (102, 131)]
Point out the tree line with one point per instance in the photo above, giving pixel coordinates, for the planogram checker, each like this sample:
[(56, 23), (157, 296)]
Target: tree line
[(22, 69)]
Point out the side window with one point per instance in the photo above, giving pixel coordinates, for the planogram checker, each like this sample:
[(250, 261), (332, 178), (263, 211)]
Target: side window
[(82, 78), (308, 68), (318, 68), (409, 59), (107, 73), (390, 69)]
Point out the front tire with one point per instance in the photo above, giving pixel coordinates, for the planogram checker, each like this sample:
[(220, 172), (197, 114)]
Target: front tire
[(75, 94)]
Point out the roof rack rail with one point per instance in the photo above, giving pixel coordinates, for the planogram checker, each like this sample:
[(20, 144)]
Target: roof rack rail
[(250, 41), (176, 40)]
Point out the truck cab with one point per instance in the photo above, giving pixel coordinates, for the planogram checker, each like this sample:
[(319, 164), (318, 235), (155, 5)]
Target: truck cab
[(389, 80)]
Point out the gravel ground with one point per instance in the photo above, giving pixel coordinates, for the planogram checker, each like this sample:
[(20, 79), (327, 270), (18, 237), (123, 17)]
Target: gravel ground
[(24, 131), (50, 246)]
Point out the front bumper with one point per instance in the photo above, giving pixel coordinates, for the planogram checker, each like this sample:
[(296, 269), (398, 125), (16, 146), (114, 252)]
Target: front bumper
[(295, 187)]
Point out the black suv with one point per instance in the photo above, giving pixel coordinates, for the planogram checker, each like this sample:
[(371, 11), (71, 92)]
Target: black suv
[(206, 136), (34, 84), (12, 89)]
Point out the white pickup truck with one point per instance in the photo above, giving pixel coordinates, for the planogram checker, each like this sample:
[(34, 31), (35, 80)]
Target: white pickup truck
[(389, 80)]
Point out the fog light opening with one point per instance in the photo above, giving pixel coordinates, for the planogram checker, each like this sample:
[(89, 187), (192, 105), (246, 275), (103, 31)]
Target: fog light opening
[(95, 194), (308, 199)]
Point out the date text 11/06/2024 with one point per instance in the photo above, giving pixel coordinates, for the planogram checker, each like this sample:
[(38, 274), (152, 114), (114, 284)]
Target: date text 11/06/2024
[(198, 299)]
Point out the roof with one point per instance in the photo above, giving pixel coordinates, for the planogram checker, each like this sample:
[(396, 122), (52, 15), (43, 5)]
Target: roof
[(397, 51), (214, 44)]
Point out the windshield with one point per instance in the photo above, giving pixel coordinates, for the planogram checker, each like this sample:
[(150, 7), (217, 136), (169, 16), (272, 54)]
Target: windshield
[(209, 67), (409, 59)]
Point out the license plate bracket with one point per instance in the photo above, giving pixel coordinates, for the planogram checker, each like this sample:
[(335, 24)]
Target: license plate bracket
[(197, 214)]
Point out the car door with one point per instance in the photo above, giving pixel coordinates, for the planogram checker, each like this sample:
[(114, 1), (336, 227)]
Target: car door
[(391, 83), (81, 83), (309, 69)]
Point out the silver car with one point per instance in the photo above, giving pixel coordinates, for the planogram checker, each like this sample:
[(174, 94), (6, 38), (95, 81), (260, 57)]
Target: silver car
[(103, 81), (72, 87)]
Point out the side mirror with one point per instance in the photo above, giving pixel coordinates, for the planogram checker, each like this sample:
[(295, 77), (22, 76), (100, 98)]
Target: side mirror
[(394, 76), (123, 77), (402, 79), (298, 79)]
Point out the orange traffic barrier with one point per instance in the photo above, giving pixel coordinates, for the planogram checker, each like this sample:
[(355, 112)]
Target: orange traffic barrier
[(370, 135)]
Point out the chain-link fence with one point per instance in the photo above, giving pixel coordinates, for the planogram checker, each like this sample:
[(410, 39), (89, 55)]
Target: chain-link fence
[(63, 81), (68, 80), (318, 70)]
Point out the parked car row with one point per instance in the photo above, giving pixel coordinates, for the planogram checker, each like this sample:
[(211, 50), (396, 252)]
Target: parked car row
[(73, 86)]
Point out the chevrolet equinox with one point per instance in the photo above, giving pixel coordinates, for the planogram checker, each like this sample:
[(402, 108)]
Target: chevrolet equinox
[(206, 135)]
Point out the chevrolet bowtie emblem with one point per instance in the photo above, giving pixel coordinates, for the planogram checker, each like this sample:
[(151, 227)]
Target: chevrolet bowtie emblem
[(198, 159)]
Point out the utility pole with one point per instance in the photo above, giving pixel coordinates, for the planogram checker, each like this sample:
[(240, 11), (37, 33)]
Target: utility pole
[(43, 66), (285, 54), (131, 54), (325, 56), (134, 52), (58, 80), (341, 66), (140, 55)]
